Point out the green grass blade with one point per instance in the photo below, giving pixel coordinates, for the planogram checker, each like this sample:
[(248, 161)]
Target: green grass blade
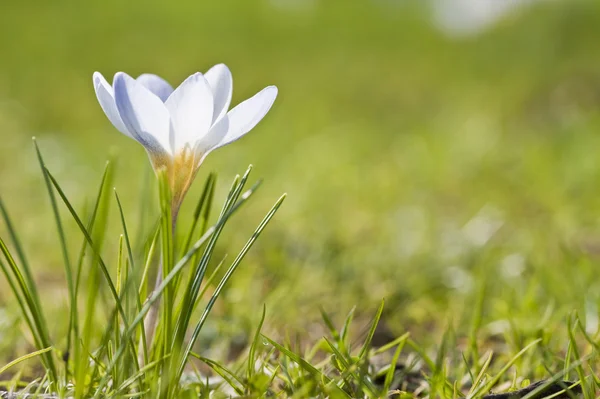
[(346, 329), (477, 382), (137, 376), (63, 246), (90, 241), (106, 178), (25, 312), (490, 384), (329, 323), (202, 209), (389, 376), (38, 324), (25, 357), (197, 275), (230, 377), (20, 253), (100, 261), (224, 281), (367, 344), (579, 368), (125, 232), (254, 345), (133, 272), (306, 366), (349, 368)]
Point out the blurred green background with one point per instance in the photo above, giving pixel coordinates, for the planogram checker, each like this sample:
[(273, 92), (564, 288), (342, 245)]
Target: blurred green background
[(423, 167)]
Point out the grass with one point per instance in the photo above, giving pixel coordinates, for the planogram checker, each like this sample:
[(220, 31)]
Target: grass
[(455, 179)]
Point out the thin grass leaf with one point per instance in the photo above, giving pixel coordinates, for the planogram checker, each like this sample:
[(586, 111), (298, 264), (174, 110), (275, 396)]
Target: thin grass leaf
[(63, 245), (106, 178), (306, 366), (32, 314), (579, 367), (487, 387), (202, 209), (224, 281), (346, 329), (391, 344), (133, 268), (254, 345), (137, 376), (20, 254), (143, 282), (329, 323), (365, 348), (86, 234), (197, 275), (422, 353), (389, 376), (25, 357), (230, 377), (478, 381), (100, 262), (350, 368)]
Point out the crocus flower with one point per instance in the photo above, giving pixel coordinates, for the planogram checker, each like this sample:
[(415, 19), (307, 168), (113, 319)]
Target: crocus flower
[(180, 127)]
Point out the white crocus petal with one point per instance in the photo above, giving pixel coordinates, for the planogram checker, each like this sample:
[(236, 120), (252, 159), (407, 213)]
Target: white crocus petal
[(211, 141), (156, 85), (106, 98), (191, 109), (221, 83), (247, 114), (144, 114)]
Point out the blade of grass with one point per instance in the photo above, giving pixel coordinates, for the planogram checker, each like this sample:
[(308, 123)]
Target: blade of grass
[(252, 352), (487, 387), (225, 373), (20, 254), (389, 376), (197, 275), (25, 357), (36, 322), (224, 281), (63, 246), (305, 365), (367, 344), (90, 241), (351, 369), (346, 329), (202, 209), (579, 367), (106, 178), (133, 276), (100, 261), (477, 381)]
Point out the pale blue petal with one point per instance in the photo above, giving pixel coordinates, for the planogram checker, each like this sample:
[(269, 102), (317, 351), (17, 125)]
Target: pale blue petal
[(143, 113), (156, 85)]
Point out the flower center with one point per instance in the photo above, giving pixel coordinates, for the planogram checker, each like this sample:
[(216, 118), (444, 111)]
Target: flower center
[(181, 170)]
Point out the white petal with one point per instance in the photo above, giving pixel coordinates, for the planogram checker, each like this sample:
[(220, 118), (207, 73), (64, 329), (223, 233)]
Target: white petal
[(143, 113), (221, 83), (191, 110), (246, 115), (106, 98), (156, 85), (211, 141)]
